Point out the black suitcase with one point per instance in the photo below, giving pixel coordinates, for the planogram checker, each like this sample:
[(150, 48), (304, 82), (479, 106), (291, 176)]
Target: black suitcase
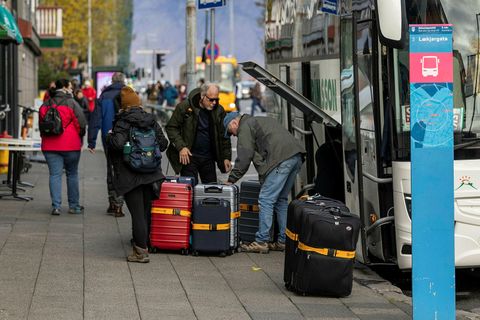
[(249, 211), (226, 192), (211, 226), (294, 220), (248, 220), (326, 252)]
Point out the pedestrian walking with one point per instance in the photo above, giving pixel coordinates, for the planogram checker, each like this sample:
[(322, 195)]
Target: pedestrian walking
[(135, 186), (62, 126), (256, 95), (170, 94), (277, 157), (196, 135), (102, 119), (82, 102), (91, 94)]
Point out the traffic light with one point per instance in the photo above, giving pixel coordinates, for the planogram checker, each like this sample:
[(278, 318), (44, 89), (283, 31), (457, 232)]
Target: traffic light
[(160, 61)]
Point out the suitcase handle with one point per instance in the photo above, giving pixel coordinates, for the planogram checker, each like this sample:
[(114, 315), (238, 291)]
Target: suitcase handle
[(213, 189), (211, 201)]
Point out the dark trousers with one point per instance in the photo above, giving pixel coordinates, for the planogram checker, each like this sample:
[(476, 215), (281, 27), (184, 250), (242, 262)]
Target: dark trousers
[(112, 194), (139, 203), (203, 166)]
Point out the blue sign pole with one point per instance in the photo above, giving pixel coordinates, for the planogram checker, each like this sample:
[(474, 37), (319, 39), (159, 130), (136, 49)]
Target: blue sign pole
[(431, 125)]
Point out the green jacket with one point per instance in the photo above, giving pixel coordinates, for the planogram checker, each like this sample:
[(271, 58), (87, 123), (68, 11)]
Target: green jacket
[(263, 141), (182, 128)]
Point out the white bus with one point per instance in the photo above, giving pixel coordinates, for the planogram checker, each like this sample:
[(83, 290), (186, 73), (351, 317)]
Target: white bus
[(353, 67)]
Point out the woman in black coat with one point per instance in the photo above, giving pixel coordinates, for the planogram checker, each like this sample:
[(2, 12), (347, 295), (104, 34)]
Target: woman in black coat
[(136, 187)]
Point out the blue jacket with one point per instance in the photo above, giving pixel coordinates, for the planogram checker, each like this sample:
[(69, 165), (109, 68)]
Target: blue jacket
[(170, 94), (103, 114)]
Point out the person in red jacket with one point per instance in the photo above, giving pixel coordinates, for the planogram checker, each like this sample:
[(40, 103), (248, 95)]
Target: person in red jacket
[(63, 151), (91, 94)]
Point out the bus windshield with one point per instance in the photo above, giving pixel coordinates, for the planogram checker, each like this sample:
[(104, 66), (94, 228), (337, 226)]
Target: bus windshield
[(466, 73), (224, 75)]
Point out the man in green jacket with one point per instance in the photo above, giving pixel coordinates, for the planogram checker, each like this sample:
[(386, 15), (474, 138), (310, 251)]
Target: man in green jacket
[(197, 136), (277, 157)]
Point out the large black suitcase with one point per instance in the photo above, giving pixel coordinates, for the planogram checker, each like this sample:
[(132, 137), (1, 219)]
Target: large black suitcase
[(211, 226), (326, 250), (294, 221)]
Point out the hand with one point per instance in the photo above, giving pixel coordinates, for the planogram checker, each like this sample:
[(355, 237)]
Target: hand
[(185, 156), (92, 150), (228, 165)]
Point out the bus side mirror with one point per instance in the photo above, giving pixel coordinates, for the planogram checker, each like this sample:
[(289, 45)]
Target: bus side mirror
[(392, 22)]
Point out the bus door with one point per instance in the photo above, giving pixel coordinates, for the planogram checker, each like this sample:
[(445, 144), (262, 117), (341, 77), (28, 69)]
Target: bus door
[(367, 125)]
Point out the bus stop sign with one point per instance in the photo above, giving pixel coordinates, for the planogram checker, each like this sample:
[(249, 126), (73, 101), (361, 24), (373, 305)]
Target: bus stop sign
[(431, 145)]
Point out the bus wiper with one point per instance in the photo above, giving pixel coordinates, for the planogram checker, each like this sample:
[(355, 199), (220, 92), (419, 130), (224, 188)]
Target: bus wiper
[(466, 144)]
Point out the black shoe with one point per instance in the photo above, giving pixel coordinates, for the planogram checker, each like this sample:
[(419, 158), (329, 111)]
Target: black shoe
[(56, 212), (111, 208)]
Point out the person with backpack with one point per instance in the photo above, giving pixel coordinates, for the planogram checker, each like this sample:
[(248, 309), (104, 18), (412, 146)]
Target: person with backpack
[(135, 145), (102, 118), (62, 126)]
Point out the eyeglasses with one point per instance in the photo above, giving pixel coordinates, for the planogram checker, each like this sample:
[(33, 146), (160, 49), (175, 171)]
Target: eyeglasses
[(213, 99)]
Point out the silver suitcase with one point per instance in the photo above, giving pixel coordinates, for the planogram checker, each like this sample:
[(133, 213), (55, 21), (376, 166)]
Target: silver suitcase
[(226, 192)]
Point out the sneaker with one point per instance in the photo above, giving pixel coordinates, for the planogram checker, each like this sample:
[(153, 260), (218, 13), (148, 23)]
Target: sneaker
[(258, 247), (111, 208), (76, 210), (56, 212), (139, 255), (276, 246), (118, 213)]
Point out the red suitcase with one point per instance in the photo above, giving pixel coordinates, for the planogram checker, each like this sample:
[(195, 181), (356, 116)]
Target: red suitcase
[(170, 227), (175, 195)]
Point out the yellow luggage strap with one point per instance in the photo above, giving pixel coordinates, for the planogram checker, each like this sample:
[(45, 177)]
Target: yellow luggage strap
[(249, 207), (211, 227), (291, 235), (328, 252), (171, 211), (235, 215)]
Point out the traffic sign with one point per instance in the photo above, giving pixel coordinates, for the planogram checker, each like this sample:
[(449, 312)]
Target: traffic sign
[(209, 4), (216, 51)]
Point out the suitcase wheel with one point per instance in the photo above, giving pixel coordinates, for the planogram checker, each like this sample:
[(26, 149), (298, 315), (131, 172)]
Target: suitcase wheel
[(184, 252), (194, 253), (223, 254), (153, 250)]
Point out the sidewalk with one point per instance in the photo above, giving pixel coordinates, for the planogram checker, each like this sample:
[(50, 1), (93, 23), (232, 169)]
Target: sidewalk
[(74, 267)]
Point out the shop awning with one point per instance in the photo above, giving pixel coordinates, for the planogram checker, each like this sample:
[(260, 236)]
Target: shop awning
[(8, 27)]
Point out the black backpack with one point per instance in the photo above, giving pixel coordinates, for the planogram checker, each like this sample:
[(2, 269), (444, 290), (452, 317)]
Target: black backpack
[(51, 124), (143, 154)]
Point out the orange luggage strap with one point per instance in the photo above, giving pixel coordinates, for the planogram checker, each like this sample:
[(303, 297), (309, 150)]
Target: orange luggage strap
[(172, 211), (328, 252), (291, 235), (235, 215), (249, 207), (211, 227)]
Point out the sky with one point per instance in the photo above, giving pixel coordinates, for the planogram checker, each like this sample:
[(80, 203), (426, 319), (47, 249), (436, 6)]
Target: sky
[(160, 24)]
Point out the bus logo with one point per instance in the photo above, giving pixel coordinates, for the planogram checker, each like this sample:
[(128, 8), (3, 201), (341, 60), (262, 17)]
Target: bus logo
[(430, 66), (465, 182)]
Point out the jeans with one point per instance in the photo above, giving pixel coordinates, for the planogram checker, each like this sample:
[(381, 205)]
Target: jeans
[(256, 102), (57, 161), (274, 198)]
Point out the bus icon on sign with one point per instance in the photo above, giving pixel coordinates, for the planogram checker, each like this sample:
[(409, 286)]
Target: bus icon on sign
[(430, 66)]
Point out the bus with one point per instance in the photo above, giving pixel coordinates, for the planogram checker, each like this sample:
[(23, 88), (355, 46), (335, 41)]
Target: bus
[(226, 76), (342, 80)]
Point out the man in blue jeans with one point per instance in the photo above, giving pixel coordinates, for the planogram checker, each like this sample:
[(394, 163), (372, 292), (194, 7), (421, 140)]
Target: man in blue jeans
[(277, 157)]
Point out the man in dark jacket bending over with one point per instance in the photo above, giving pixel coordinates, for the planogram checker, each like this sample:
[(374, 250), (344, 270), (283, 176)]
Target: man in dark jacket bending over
[(197, 138), (277, 157)]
